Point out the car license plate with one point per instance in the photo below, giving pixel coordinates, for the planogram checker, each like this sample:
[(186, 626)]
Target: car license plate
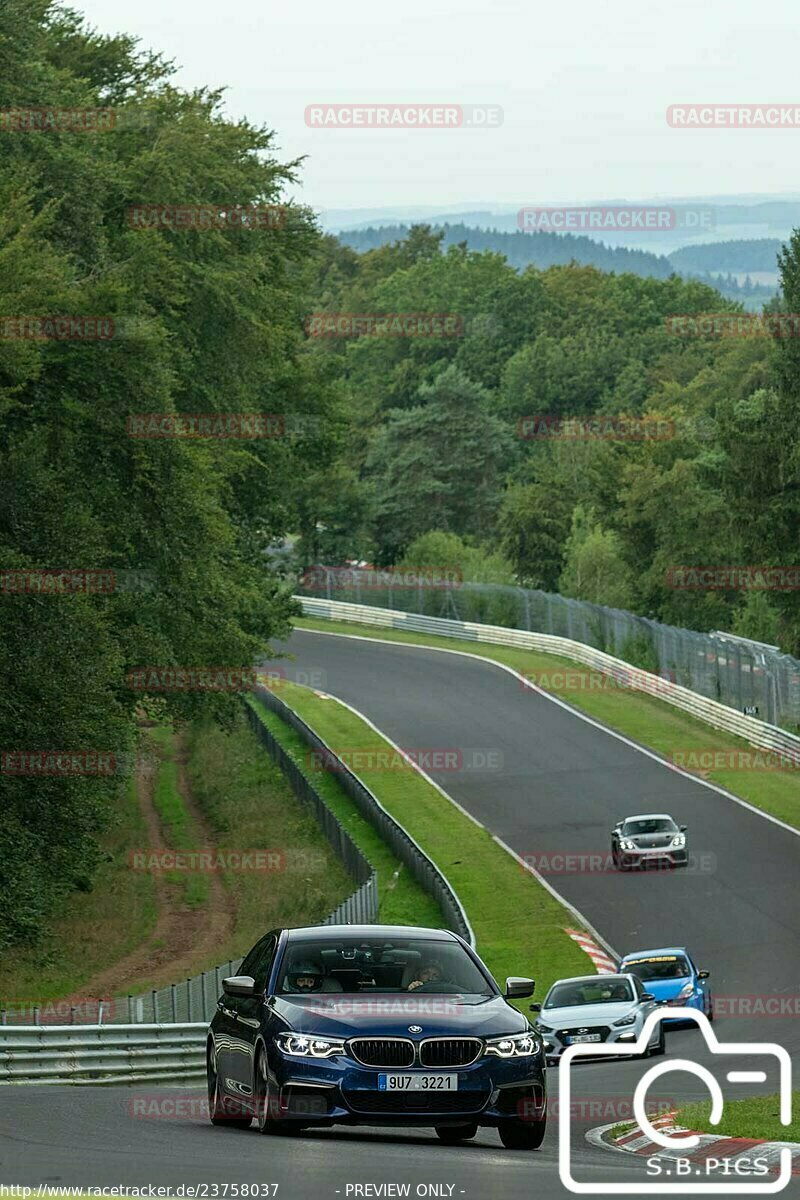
[(584, 1037), (417, 1083)]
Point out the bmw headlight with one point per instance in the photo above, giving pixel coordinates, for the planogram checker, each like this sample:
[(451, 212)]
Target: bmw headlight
[(304, 1045), (627, 844), (516, 1045), (625, 1020), (679, 839)]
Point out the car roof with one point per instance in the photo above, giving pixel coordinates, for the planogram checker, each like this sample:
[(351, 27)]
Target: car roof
[(650, 817), (650, 953), (335, 933)]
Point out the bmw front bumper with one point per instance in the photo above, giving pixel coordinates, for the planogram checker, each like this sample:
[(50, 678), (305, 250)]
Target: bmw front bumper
[(340, 1090)]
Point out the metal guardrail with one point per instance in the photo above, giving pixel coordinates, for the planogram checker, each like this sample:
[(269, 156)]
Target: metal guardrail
[(91, 1054), (757, 733), (402, 844), (714, 666)]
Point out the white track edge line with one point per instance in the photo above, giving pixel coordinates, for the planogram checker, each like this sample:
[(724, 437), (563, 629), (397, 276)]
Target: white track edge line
[(621, 737)]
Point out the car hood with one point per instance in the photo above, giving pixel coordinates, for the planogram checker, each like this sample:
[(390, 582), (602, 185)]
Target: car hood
[(586, 1014), (651, 841), (385, 1015), (666, 989)]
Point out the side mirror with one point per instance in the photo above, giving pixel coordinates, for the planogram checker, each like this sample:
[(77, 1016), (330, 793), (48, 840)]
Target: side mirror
[(683, 828), (703, 974), (517, 986), (239, 985), (535, 1007), (646, 996)]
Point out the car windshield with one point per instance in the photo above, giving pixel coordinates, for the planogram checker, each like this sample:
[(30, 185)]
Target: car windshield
[(399, 966), (649, 825), (661, 966), (589, 991)]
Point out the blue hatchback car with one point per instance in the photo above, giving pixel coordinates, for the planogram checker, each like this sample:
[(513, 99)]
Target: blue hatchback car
[(375, 1025), (671, 975)]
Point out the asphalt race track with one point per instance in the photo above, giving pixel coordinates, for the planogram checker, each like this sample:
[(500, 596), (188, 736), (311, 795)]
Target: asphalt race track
[(561, 785)]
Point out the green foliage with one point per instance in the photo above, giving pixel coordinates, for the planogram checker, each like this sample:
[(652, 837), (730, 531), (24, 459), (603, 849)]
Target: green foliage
[(594, 567), (205, 321)]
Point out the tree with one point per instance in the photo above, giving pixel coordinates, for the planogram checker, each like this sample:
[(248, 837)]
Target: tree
[(594, 567)]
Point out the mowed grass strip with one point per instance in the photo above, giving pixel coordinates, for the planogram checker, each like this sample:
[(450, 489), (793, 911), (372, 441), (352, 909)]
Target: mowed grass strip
[(401, 900), (519, 926), (648, 721), (755, 1117), (249, 805), (179, 829), (94, 927)]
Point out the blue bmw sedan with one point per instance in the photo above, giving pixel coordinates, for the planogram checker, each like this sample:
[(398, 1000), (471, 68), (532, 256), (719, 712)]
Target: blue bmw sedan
[(375, 1025)]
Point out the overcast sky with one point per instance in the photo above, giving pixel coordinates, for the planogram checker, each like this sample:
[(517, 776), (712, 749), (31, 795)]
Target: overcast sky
[(584, 87)]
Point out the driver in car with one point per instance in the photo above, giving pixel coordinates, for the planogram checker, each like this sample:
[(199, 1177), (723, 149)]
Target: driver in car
[(430, 972), (305, 977)]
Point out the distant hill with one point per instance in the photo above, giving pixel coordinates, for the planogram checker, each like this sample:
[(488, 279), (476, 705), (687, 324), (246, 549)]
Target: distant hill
[(544, 250), (754, 254)]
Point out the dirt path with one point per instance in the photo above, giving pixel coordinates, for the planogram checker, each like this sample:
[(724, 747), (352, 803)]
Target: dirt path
[(184, 939)]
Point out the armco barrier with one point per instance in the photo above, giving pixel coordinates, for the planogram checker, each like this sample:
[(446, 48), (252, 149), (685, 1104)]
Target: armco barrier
[(757, 733), (402, 844), (92, 1054)]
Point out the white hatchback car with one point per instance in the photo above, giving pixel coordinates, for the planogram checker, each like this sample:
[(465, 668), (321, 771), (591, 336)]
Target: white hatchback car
[(596, 1008)]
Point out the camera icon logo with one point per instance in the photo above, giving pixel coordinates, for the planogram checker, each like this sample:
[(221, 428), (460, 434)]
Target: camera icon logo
[(680, 1143)]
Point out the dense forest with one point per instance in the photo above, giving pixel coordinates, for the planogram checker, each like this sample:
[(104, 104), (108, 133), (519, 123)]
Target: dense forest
[(436, 471), (390, 449), (543, 249)]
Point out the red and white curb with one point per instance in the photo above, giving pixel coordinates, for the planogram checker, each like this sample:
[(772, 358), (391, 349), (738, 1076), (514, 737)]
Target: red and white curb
[(711, 1145), (603, 962)]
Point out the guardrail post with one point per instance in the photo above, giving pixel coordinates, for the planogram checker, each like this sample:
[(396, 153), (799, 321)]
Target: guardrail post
[(99, 1012), (189, 998), (130, 1009), (173, 1001), (3, 1016), (203, 994), (36, 1014), (155, 1010)]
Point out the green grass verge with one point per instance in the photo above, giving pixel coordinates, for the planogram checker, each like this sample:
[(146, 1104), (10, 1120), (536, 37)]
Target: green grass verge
[(401, 900), (651, 722), (179, 828), (756, 1117), (249, 804), (93, 929), (519, 926)]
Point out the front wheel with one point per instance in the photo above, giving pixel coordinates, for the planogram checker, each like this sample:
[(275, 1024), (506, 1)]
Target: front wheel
[(265, 1104), (522, 1135), (660, 1045), (450, 1134), (222, 1110)]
